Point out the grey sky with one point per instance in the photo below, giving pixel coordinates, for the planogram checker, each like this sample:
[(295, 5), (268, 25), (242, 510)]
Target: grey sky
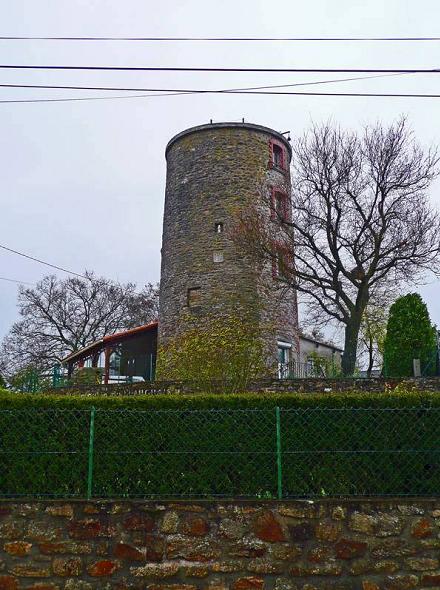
[(82, 183)]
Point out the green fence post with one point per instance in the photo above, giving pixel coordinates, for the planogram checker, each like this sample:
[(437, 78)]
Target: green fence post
[(91, 444), (279, 460)]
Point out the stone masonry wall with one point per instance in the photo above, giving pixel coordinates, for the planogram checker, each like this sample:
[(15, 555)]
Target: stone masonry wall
[(325, 545), (311, 385)]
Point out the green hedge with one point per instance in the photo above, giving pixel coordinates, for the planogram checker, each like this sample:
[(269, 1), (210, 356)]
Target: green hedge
[(398, 398), (332, 444)]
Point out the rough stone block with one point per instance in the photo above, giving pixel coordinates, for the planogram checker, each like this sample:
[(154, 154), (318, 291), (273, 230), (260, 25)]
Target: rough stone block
[(350, 548), (77, 584), (285, 552), (299, 510), (249, 583), (30, 570), (301, 532), (8, 583), (139, 521), (233, 528), (43, 586), (65, 547), (268, 528), (431, 579), (60, 510), (328, 531), (392, 548), (192, 549), (18, 548), (228, 566), (362, 523), (129, 552), (88, 528), (264, 566), (385, 566), (170, 522), (421, 564), (195, 526), (320, 554), (195, 571), (156, 570), (320, 569), (104, 567), (285, 584), (422, 528), (12, 530), (70, 566), (401, 582)]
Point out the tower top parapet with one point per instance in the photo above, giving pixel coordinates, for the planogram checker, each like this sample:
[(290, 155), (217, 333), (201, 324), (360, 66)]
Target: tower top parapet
[(231, 125)]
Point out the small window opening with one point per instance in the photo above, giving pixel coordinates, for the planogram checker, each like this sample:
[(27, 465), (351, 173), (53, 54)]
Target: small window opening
[(278, 156), (219, 227), (280, 206), (194, 296)]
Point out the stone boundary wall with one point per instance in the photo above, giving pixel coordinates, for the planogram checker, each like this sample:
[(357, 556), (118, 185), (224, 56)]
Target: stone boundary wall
[(330, 544), (310, 385)]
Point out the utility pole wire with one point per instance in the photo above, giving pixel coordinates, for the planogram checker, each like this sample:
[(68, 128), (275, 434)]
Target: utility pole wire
[(229, 93), (160, 92), (229, 39), (15, 281), (71, 272), (241, 70), (191, 91)]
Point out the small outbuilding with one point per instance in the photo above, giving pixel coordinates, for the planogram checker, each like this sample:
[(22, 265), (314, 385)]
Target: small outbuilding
[(127, 356)]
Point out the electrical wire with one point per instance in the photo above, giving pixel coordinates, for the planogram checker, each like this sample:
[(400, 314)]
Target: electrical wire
[(210, 69), (167, 93), (191, 91), (71, 272), (252, 92), (15, 281), (240, 39)]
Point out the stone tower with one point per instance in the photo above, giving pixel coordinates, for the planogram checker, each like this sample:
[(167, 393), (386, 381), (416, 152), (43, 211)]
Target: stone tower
[(215, 171)]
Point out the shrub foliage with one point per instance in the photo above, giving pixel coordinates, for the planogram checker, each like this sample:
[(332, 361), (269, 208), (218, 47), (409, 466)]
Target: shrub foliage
[(210, 444), (225, 350), (410, 335)]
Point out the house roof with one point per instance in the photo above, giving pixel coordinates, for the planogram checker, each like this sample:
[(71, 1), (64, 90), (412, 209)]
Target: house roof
[(111, 338), (320, 342)]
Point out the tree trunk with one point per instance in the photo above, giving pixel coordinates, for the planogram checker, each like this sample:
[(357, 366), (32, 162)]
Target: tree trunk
[(350, 346), (370, 357)]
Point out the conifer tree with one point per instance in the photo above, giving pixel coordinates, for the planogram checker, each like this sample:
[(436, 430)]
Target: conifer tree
[(410, 335)]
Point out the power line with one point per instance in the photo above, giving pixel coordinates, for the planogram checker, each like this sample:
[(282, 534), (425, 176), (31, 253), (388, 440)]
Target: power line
[(337, 94), (42, 262), (191, 91), (240, 39), (15, 281), (87, 98), (228, 92), (240, 70)]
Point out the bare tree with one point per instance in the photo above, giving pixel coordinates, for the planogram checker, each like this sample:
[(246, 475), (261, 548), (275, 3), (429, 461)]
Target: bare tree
[(61, 316), (372, 335), (360, 221)]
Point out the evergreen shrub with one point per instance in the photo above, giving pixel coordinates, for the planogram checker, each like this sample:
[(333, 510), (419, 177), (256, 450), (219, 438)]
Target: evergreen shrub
[(221, 445)]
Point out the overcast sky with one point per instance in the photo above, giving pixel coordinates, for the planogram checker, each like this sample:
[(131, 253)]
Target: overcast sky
[(82, 183)]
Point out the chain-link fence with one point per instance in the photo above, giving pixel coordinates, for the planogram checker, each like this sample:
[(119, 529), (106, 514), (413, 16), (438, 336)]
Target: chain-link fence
[(271, 453)]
